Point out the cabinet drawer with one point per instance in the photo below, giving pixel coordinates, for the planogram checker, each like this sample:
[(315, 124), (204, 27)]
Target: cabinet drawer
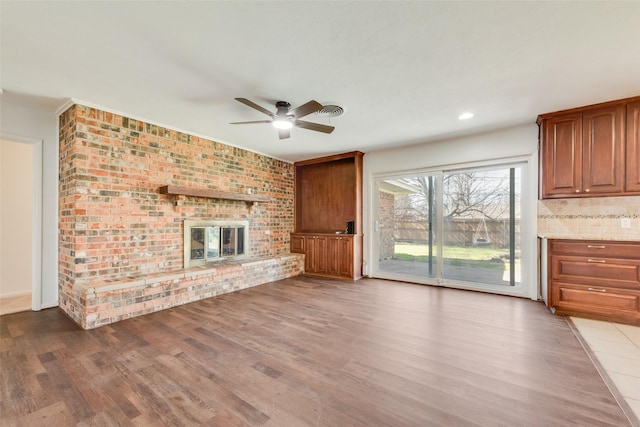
[(596, 248), (618, 273), (604, 301)]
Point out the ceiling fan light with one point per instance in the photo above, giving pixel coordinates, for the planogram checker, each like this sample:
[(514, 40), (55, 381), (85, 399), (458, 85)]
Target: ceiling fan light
[(282, 124)]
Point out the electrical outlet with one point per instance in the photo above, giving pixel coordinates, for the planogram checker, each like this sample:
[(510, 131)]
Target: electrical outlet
[(625, 222)]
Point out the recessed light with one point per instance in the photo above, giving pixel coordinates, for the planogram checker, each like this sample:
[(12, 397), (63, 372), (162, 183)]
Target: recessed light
[(465, 116)]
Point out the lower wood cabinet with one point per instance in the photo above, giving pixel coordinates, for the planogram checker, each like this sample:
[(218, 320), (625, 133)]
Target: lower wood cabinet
[(340, 256), (330, 254), (599, 279), (315, 260)]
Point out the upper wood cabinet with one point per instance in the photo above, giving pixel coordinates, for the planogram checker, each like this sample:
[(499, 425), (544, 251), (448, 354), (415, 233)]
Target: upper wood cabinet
[(561, 163), (584, 152), (603, 150)]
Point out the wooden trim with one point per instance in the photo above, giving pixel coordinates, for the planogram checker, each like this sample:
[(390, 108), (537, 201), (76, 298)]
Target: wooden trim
[(587, 107), (332, 158), (177, 190)]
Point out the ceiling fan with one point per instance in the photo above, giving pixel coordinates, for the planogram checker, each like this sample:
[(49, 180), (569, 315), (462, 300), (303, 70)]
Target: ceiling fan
[(285, 118)]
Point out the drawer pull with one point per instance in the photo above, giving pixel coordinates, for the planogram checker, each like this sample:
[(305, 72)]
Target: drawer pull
[(596, 246), (597, 290), (601, 261)]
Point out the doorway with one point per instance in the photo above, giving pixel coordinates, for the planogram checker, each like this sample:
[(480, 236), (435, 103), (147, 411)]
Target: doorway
[(458, 228), (20, 229)]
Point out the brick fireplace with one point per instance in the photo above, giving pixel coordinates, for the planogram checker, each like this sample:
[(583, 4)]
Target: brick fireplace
[(121, 242)]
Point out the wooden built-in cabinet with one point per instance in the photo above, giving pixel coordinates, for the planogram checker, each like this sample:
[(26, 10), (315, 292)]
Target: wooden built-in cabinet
[(328, 195), (599, 279), (590, 151), (329, 254)]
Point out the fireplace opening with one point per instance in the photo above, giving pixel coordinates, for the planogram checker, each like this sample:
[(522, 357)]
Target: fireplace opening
[(210, 241)]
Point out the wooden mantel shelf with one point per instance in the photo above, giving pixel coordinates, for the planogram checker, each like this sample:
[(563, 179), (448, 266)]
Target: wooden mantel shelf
[(176, 190)]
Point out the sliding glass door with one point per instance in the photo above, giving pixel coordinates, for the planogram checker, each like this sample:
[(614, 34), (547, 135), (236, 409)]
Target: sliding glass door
[(457, 228)]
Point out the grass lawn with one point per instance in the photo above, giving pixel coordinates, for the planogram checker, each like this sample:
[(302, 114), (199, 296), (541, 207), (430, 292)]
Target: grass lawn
[(480, 256)]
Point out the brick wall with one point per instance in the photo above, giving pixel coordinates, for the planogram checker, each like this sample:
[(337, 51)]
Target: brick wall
[(386, 219), (113, 222)]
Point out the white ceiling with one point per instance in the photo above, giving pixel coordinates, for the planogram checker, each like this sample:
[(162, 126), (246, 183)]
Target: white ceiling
[(402, 70)]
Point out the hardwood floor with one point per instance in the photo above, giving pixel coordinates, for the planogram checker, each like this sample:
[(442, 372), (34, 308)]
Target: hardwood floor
[(307, 351)]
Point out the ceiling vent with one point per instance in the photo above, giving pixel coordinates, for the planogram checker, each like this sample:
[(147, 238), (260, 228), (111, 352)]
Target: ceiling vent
[(330, 110)]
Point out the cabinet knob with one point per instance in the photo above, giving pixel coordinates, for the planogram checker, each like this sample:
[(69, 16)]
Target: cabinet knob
[(577, 191), (586, 191)]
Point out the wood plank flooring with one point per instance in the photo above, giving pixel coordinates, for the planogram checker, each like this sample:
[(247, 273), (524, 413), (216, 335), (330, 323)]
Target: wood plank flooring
[(307, 352)]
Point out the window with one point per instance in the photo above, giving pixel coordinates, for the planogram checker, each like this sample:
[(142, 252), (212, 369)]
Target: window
[(208, 241)]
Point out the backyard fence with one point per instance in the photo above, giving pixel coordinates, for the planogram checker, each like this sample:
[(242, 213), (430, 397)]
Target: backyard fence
[(458, 232)]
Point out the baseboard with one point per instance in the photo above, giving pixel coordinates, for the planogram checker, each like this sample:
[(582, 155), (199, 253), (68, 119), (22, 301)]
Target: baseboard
[(15, 302)]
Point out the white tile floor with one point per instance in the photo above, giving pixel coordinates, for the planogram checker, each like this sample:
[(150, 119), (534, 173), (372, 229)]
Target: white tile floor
[(617, 348)]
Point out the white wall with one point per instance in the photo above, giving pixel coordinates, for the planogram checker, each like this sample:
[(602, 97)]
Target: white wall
[(16, 217), (24, 118), (519, 142)]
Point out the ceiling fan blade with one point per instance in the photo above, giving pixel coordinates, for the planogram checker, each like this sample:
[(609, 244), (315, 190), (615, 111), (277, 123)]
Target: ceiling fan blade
[(306, 109), (284, 133), (251, 122), (255, 106), (314, 126)]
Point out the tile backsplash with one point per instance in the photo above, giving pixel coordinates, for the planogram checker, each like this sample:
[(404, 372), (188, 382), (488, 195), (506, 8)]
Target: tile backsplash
[(590, 218)]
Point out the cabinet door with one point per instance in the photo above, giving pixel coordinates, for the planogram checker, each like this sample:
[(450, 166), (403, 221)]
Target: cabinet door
[(561, 156), (321, 255), (315, 260), (340, 256), (633, 147), (345, 257), (310, 254), (602, 150), (333, 256), (297, 243)]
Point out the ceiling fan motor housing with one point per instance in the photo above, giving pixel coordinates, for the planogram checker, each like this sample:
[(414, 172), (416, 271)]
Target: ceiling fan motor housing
[(283, 108)]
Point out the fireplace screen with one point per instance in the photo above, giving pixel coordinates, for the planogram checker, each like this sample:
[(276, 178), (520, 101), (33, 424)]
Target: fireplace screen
[(207, 241)]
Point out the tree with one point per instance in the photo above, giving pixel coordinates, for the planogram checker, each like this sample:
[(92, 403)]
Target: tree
[(465, 194)]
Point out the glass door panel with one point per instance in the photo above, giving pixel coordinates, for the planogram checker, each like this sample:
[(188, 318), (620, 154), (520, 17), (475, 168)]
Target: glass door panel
[(481, 220), (406, 226)]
